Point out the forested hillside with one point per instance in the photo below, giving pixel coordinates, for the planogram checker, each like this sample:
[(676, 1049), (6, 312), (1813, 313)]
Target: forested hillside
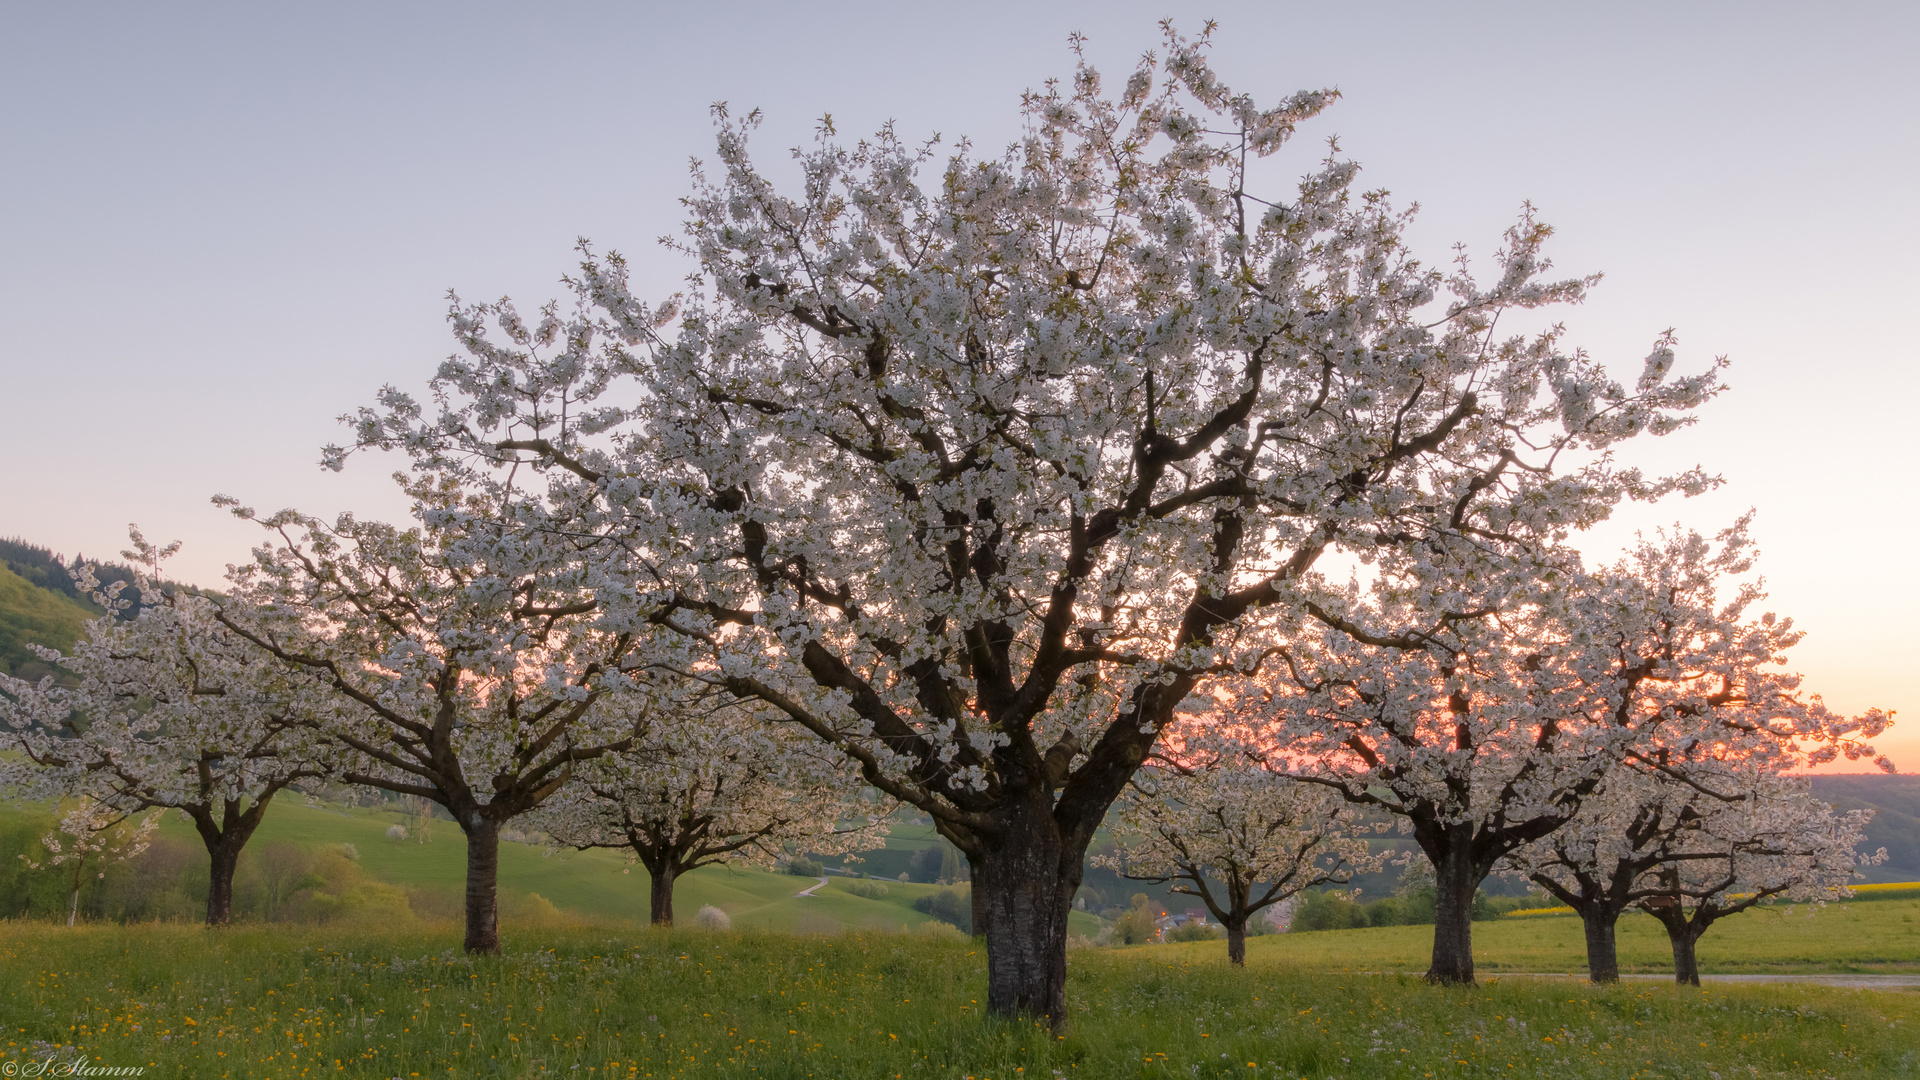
[(41, 605), (30, 615), (1896, 821)]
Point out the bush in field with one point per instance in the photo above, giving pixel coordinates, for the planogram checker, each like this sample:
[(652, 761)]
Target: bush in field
[(944, 931), (871, 890), (801, 866), (949, 906), (712, 918), (1328, 910), (1195, 931), (346, 895), (1136, 927)]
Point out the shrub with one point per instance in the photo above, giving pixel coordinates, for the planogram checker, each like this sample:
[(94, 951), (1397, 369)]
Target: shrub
[(1135, 926), (345, 895), (396, 832), (436, 904), (1494, 907), (948, 905), (871, 890), (536, 910), (937, 929), (1195, 931), (1328, 911), (801, 866), (712, 918), (940, 862), (1417, 906)]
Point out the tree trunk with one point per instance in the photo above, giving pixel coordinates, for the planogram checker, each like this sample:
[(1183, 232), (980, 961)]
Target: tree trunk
[(224, 840), (1027, 883), (662, 895), (222, 860), (483, 881), (1686, 962), (978, 897), (1237, 940), (1454, 882), (1603, 956), (73, 909)]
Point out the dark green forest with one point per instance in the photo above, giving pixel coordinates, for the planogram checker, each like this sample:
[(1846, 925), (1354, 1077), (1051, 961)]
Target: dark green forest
[(31, 615), (41, 605)]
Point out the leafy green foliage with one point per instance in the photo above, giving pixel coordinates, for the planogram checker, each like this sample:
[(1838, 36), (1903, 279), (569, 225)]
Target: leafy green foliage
[(1194, 931), (43, 569), (949, 906), (1136, 925), (30, 615)]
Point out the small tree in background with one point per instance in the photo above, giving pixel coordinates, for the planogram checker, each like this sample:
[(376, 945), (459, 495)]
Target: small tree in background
[(96, 834), (1487, 728), (1773, 840), (166, 708), (1138, 924), (1237, 837), (709, 785), (461, 658), (1605, 859)]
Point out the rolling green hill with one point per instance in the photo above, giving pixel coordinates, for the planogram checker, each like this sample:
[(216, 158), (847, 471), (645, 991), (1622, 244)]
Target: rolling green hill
[(596, 884), (30, 615)]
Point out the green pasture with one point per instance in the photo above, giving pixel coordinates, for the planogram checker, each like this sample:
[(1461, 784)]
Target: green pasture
[(593, 884), (624, 1002), (1880, 936)]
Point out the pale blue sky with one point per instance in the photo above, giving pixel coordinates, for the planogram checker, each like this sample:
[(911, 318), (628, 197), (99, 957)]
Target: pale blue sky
[(222, 226)]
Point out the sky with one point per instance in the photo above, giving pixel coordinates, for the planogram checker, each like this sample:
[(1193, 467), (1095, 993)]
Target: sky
[(221, 227)]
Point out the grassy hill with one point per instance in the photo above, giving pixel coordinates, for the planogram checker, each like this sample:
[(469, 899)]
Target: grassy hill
[(41, 605), (592, 884), (33, 615)]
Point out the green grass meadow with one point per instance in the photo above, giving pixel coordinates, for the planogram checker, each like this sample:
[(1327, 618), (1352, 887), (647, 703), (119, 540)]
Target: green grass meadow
[(1877, 937), (626, 1002), (599, 885), (836, 985)]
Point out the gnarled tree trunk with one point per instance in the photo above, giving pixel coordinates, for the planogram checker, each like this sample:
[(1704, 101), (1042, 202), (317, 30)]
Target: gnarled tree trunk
[(1026, 881), (483, 884), (1686, 961), (1684, 935), (224, 839), (1237, 940), (221, 862), (1454, 882), (661, 894), (977, 896), (1603, 954)]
